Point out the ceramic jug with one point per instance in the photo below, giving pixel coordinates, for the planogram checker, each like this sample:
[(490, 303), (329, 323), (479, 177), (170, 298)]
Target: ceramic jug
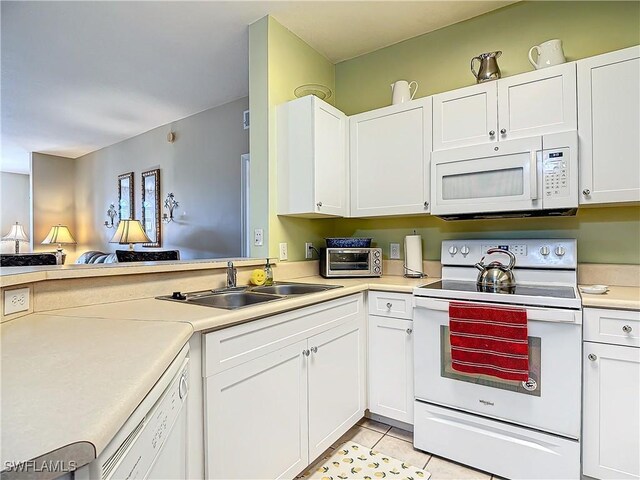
[(401, 91), (488, 69), (549, 53)]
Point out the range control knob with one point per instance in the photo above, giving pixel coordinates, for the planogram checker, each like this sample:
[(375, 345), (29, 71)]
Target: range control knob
[(453, 250), (560, 251), (464, 250), (544, 251)]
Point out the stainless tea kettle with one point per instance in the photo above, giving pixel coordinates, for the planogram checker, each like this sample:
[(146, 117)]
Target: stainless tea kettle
[(488, 69), (496, 274)]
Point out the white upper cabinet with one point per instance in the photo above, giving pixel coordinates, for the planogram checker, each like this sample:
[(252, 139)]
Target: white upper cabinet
[(468, 116), (538, 103), (312, 159), (609, 126), (390, 157), (533, 103)]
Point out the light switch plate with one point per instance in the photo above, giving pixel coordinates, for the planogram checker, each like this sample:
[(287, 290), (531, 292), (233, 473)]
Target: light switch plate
[(16, 300), (394, 251)]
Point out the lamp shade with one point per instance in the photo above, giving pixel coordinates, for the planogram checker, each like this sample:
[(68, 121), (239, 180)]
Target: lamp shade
[(59, 234), (130, 231), (16, 234)]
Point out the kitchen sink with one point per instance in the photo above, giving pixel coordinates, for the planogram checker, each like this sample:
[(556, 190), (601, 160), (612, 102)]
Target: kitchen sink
[(231, 300), (240, 297), (292, 288)]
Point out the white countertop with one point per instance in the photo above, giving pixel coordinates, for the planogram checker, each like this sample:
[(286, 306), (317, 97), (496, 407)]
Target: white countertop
[(71, 383), (625, 298)]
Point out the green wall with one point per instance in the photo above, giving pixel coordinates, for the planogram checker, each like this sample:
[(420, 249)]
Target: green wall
[(439, 61)]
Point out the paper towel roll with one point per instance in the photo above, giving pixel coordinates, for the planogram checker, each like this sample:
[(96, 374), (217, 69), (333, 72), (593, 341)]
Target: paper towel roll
[(413, 256)]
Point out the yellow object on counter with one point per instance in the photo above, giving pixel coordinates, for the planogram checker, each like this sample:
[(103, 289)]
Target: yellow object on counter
[(258, 277)]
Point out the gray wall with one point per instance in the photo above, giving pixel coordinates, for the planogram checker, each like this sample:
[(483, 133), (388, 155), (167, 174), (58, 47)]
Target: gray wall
[(15, 202), (202, 168), (52, 195)]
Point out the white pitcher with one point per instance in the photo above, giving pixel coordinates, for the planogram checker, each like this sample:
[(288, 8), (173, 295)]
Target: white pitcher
[(549, 53), (401, 91)]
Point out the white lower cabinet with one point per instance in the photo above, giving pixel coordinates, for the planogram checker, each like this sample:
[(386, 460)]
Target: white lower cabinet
[(391, 356), (611, 422), (269, 414)]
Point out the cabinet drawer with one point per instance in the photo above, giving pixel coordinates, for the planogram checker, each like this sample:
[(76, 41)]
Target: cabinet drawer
[(233, 346), (618, 327), (386, 304)]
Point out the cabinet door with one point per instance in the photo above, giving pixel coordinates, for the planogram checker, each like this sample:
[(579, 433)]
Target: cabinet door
[(467, 116), (611, 411), (608, 126), (537, 103), (311, 157), (391, 367), (256, 417), (336, 384), (390, 157), (330, 166)]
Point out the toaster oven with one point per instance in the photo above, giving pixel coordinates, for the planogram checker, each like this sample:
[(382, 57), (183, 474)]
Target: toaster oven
[(350, 262)]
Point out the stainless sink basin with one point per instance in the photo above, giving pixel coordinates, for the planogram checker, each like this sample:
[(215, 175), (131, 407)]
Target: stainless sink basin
[(231, 300), (292, 288), (240, 297)]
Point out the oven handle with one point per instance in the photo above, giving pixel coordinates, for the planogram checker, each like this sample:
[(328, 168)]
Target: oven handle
[(554, 315)]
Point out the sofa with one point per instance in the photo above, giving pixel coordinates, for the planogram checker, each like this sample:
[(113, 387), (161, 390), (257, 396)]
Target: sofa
[(27, 259), (95, 256)]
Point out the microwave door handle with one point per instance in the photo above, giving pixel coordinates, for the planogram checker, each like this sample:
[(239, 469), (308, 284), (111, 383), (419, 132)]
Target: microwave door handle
[(533, 174)]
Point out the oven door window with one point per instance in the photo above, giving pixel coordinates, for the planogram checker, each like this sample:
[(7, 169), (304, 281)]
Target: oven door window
[(349, 261), (532, 387)]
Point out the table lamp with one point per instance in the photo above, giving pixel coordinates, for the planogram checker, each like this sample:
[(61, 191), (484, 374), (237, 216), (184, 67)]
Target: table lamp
[(16, 234), (130, 232), (59, 235)]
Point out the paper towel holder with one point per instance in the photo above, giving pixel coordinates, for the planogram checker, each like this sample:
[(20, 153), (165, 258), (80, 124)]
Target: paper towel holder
[(413, 267)]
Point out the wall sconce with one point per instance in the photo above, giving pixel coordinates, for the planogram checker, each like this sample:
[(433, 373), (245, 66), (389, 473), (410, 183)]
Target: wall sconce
[(111, 213), (170, 204)]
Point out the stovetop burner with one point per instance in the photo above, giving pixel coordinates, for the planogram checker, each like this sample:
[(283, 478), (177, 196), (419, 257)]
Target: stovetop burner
[(555, 291)]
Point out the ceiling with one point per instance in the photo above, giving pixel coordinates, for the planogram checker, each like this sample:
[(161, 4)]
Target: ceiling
[(79, 76)]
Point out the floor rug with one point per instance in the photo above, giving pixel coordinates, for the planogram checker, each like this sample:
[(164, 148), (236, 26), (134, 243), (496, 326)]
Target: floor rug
[(353, 461)]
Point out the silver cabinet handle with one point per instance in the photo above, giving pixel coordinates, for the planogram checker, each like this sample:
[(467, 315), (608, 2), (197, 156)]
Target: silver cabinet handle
[(586, 192), (426, 204), (503, 131), (306, 352), (627, 329), (409, 331), (389, 306), (314, 349), (319, 204), (592, 357), (492, 133)]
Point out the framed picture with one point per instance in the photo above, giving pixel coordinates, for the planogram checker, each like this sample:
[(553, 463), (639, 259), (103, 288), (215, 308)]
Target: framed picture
[(126, 208), (151, 208)]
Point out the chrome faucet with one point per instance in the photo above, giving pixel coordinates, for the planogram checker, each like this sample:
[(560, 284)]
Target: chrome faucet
[(231, 275)]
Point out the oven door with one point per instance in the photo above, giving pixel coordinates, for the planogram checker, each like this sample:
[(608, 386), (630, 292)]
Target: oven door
[(550, 401), (348, 262), (487, 178)]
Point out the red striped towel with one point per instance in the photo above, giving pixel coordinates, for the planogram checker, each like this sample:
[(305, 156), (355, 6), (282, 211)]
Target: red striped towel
[(489, 340)]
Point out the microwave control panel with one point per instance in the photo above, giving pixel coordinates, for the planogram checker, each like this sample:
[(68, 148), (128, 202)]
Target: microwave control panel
[(555, 167)]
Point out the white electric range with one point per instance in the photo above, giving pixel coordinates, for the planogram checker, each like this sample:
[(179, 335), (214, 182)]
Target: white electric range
[(528, 429)]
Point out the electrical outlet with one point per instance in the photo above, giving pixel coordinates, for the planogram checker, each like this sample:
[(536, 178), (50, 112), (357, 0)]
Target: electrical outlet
[(308, 250), (284, 251), (258, 236), (16, 301), (394, 251)]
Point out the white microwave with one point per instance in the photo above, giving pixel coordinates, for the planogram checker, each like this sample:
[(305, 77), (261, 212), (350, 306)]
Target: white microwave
[(533, 176)]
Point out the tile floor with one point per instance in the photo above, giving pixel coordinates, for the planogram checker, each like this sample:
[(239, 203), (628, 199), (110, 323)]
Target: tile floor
[(398, 443)]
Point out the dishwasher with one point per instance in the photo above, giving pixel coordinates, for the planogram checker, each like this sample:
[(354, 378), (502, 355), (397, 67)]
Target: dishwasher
[(152, 444)]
